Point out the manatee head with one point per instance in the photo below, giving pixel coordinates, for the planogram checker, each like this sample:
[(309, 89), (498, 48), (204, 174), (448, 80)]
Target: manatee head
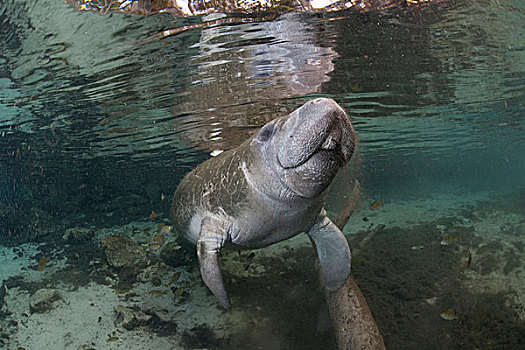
[(306, 149)]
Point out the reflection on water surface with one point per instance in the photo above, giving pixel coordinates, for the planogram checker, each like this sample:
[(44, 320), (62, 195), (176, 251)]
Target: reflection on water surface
[(196, 8), (98, 124)]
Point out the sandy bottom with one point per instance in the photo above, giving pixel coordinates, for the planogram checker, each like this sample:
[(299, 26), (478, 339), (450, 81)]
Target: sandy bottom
[(408, 277)]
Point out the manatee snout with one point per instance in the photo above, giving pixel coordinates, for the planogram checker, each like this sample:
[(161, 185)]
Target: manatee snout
[(320, 124), (312, 144)]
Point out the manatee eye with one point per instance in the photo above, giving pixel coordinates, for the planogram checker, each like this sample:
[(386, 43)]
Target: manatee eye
[(267, 132)]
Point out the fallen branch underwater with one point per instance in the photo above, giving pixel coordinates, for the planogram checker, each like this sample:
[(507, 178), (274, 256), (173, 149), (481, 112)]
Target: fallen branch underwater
[(352, 321)]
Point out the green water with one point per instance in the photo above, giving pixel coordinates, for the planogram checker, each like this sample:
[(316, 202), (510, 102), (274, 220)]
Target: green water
[(100, 119)]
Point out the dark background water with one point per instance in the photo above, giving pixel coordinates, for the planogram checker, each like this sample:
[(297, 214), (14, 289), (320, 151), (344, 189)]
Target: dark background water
[(98, 123), (100, 118)]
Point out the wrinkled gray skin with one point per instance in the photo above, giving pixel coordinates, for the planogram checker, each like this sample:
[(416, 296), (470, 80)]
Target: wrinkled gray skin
[(270, 188)]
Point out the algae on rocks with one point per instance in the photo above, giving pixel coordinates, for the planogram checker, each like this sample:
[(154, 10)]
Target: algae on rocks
[(78, 234), (130, 318), (122, 251), (44, 300)]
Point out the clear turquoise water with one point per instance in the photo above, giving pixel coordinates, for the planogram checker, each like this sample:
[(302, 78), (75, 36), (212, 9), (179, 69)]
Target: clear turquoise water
[(92, 112)]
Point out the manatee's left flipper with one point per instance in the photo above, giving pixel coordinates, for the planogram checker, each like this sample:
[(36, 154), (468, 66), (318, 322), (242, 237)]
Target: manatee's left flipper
[(211, 239), (333, 252)]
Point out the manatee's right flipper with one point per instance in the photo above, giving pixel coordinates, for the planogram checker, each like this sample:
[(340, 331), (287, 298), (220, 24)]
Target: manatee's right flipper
[(333, 252), (211, 239)]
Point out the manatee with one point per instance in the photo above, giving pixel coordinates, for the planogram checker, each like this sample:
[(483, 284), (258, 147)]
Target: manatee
[(270, 188)]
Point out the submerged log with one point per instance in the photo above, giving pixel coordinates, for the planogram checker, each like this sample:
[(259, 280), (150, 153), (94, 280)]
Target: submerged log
[(349, 207), (352, 321)]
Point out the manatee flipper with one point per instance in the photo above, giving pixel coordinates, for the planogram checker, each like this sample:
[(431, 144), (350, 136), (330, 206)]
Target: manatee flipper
[(333, 252), (211, 239)]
